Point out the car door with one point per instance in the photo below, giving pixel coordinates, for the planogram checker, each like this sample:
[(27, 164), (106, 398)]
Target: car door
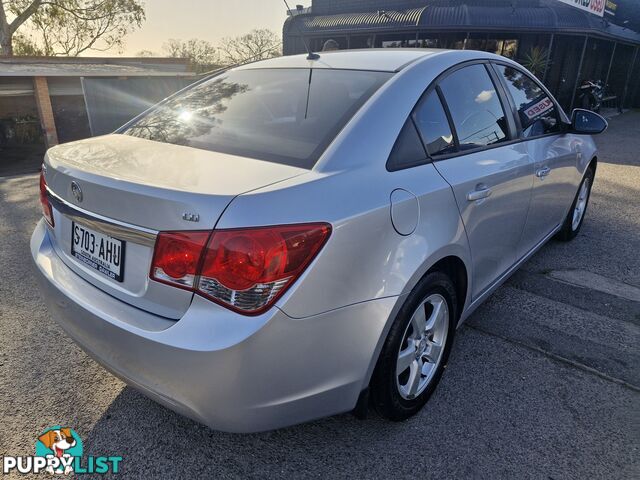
[(554, 154), (490, 175)]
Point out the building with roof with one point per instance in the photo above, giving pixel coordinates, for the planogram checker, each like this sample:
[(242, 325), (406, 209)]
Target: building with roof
[(47, 100), (562, 41)]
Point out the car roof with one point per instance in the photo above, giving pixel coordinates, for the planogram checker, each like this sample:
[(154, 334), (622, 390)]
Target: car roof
[(382, 59)]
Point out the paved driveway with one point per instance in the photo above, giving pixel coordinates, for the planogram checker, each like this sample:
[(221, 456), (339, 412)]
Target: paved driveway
[(544, 380)]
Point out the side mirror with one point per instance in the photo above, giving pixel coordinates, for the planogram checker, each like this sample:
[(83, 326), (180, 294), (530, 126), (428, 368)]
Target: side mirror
[(586, 122)]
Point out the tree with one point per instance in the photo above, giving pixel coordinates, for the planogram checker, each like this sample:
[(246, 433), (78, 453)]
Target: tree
[(258, 44), (201, 54), (66, 27)]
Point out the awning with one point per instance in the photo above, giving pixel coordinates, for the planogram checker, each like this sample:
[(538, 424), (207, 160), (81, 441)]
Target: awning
[(92, 67), (551, 17)]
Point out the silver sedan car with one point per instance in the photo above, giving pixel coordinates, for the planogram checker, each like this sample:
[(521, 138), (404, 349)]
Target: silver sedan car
[(300, 237)]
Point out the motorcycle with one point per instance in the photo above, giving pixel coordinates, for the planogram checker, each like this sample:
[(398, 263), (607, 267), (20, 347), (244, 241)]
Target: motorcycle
[(591, 94)]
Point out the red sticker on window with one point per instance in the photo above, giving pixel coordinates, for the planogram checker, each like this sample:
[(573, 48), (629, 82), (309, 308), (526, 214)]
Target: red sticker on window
[(539, 108)]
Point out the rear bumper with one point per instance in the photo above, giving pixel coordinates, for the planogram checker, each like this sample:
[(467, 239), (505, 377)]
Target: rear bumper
[(231, 372)]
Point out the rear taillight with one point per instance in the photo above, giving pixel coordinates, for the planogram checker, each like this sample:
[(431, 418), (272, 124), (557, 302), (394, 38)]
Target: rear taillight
[(47, 212), (177, 256), (246, 269)]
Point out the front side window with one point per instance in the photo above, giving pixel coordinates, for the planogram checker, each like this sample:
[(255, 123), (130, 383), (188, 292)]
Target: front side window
[(537, 112), (476, 111), (285, 116)]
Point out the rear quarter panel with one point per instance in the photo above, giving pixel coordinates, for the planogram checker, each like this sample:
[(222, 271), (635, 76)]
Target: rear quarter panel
[(365, 258)]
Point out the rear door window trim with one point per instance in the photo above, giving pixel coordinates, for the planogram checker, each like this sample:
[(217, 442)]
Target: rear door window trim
[(435, 86), (489, 65)]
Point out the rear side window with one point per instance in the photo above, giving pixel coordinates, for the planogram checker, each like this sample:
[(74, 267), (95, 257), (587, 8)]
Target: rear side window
[(408, 150), (537, 112), (475, 108), (280, 115), (433, 125)]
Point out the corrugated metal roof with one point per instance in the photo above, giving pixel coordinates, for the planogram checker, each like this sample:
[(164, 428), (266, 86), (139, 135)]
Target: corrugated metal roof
[(350, 21), (548, 17), (452, 16)]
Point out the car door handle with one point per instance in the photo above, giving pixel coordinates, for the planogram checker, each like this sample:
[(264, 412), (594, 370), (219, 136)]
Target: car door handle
[(543, 172), (481, 191)]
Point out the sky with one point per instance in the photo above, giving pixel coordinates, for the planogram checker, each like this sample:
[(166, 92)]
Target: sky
[(204, 19)]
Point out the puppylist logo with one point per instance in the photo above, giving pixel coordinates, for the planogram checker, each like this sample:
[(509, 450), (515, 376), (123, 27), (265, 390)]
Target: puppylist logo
[(59, 451)]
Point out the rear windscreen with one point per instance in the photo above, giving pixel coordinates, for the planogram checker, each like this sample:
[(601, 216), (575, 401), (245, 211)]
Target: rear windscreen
[(281, 115)]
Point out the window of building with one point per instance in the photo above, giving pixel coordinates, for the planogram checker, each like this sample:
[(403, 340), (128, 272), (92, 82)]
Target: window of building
[(454, 41), (361, 41), (397, 40), (475, 107), (433, 125), (509, 48), (317, 44), (476, 41), (427, 40), (537, 112), (498, 44)]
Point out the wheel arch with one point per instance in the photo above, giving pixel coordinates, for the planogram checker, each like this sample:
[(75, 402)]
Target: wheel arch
[(455, 268), (452, 261)]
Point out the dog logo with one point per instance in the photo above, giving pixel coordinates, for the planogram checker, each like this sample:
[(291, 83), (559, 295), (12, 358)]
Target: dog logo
[(59, 451), (61, 443)]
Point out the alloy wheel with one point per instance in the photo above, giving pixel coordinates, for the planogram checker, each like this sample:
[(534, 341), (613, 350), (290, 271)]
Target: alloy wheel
[(581, 204), (422, 346)]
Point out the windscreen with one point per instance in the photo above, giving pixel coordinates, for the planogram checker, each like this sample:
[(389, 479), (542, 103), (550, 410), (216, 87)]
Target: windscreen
[(281, 115)]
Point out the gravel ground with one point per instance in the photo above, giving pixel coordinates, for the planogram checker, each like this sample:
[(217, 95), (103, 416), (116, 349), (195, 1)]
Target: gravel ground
[(544, 379)]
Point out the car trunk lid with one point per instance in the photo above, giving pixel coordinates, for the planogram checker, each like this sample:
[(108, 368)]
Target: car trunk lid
[(128, 189)]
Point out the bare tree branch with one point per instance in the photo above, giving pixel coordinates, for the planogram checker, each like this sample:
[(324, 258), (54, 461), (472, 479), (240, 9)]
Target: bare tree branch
[(24, 16), (201, 54), (69, 27), (258, 44)]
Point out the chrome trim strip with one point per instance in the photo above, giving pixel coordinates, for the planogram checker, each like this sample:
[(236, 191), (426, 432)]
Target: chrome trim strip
[(108, 226)]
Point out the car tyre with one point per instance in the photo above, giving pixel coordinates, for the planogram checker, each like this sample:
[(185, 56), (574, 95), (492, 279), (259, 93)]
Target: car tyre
[(575, 217), (399, 389)]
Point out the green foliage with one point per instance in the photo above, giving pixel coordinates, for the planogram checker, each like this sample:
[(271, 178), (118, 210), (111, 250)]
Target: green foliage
[(25, 46), (535, 60)]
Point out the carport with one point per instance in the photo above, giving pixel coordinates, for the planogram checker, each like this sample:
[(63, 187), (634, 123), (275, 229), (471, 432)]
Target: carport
[(49, 100)]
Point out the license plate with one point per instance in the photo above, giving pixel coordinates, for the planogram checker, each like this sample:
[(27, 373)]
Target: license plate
[(98, 251)]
